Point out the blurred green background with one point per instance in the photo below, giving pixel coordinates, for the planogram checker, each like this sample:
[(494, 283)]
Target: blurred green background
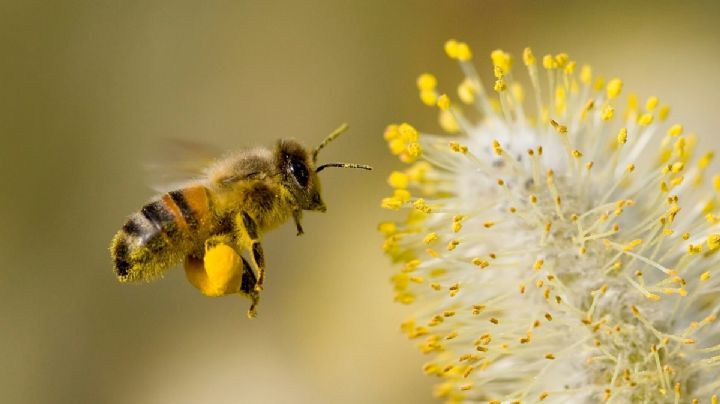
[(89, 88)]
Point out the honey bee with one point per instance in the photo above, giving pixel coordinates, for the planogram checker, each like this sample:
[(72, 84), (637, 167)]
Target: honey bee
[(227, 211)]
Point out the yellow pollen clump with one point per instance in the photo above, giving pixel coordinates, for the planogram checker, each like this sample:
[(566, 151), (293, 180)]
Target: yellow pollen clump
[(607, 112), (614, 87), (391, 203), (675, 130), (622, 136), (586, 74), (458, 50), (421, 205), (645, 119), (500, 85), (426, 81), (443, 102), (466, 91), (713, 241), (480, 263), (428, 97), (502, 60), (529, 57), (549, 62), (399, 180), (651, 103), (431, 238), (448, 122)]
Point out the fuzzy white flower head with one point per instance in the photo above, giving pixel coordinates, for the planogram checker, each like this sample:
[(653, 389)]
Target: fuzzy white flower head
[(564, 255)]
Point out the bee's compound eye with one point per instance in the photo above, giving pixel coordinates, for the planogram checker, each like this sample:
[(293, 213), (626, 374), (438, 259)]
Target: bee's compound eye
[(300, 172)]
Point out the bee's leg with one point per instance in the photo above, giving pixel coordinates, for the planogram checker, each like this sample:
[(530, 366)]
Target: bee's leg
[(297, 215), (247, 287), (249, 239)]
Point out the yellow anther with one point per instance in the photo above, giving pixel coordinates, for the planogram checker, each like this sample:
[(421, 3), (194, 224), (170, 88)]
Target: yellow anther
[(586, 74), (443, 102), (407, 132), (489, 224), (401, 195), (398, 180), (630, 167), (431, 238), (498, 72), (538, 265), (480, 262), (411, 265), (528, 57), (652, 296), (414, 150), (549, 62), (466, 91), (421, 205), (458, 50), (562, 59), (677, 167), (607, 112), (645, 119), (387, 228), (622, 136), (426, 81), (517, 92), (453, 244), (561, 129), (391, 203), (458, 148), (577, 154), (705, 160), (448, 122), (664, 113), (651, 103), (451, 48), (428, 97), (463, 52), (456, 227), (497, 148), (500, 85), (599, 83), (675, 130), (494, 320), (631, 245), (502, 60), (550, 356), (713, 241), (614, 87), (570, 67)]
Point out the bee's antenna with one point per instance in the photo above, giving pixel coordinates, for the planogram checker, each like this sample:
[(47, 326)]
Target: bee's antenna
[(337, 132), (343, 165)]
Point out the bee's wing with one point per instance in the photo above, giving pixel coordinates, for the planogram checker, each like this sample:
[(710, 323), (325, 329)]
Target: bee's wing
[(178, 162)]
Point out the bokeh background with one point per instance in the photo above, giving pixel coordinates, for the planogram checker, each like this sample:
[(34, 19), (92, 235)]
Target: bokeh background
[(88, 90)]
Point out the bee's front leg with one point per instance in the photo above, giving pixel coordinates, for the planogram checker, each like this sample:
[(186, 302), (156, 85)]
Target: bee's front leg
[(297, 215)]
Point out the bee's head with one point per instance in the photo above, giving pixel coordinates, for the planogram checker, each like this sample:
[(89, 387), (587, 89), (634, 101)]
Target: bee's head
[(299, 175), (299, 171)]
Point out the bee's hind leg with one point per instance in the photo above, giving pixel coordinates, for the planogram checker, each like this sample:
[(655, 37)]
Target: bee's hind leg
[(247, 288)]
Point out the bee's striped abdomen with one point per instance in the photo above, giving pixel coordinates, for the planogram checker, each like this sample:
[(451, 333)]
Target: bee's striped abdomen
[(160, 234)]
